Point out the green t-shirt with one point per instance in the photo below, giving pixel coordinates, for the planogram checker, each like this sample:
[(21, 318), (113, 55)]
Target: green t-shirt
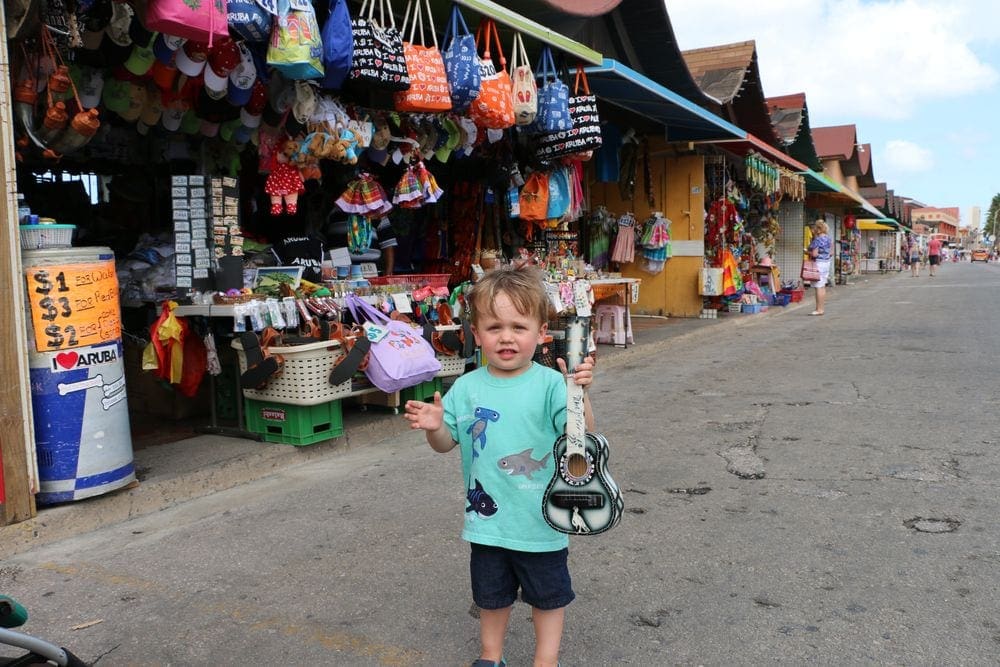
[(505, 428)]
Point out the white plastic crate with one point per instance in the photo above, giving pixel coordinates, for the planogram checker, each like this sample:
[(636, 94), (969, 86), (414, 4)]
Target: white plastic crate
[(451, 364), (305, 376), (36, 237)]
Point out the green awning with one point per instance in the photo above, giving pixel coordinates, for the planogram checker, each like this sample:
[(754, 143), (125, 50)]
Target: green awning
[(529, 28), (817, 182)]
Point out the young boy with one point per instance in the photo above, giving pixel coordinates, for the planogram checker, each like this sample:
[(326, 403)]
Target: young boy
[(505, 417)]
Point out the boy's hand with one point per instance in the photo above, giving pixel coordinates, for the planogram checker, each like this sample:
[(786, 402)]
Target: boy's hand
[(426, 416), (584, 373)]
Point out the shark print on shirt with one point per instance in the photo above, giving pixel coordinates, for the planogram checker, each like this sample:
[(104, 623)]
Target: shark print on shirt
[(478, 428)]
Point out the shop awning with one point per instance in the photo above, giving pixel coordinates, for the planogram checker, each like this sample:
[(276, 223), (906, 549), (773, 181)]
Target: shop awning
[(529, 28), (817, 182), (750, 143), (873, 225), (870, 208), (684, 120)]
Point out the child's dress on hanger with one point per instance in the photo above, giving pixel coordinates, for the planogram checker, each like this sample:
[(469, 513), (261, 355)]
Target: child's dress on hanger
[(624, 251)]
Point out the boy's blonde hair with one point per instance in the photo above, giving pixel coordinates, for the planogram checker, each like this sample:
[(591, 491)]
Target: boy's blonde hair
[(523, 286), (820, 227)]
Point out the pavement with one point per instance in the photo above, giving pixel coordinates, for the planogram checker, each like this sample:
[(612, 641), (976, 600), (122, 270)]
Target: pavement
[(174, 472)]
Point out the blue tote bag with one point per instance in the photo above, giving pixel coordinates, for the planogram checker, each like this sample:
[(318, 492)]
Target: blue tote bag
[(461, 63), (553, 96), (338, 45)]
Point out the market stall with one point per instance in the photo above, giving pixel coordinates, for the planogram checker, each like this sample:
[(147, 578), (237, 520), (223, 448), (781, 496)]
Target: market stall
[(253, 181), (745, 197)]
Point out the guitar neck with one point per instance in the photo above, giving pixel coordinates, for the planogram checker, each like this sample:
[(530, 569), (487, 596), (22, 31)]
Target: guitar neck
[(576, 350)]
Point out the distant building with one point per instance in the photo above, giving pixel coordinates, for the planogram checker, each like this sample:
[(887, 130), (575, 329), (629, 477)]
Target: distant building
[(942, 222)]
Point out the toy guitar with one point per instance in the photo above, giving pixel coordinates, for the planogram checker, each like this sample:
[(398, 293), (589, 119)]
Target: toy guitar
[(581, 499)]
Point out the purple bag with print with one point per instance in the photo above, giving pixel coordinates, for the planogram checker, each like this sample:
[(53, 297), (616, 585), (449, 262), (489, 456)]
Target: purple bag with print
[(400, 359)]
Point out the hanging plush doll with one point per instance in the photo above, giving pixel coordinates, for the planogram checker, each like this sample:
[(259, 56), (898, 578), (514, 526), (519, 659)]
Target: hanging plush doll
[(284, 183)]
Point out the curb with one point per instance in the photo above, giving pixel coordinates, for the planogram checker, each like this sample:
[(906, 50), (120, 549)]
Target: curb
[(157, 494)]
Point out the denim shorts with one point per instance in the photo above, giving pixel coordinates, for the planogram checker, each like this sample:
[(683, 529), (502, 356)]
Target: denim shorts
[(497, 573)]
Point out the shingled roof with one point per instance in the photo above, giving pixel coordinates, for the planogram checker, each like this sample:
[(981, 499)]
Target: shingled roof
[(840, 142), (790, 117), (730, 74)]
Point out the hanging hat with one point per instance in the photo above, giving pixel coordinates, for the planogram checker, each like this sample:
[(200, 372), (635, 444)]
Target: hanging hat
[(173, 114), (190, 123), (153, 109), (89, 84), (452, 139), (141, 58), (191, 57), (118, 28), (766, 261), (252, 112), (241, 79), (165, 47), (258, 98), (209, 128), (115, 95), (114, 54), (163, 75), (222, 60), (134, 102)]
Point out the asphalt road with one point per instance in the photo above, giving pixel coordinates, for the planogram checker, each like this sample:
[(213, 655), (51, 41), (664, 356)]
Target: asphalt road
[(799, 489)]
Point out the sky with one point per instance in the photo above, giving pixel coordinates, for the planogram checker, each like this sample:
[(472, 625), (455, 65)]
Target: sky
[(919, 78)]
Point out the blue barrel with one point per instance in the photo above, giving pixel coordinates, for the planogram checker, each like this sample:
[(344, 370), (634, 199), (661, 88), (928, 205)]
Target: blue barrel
[(83, 440)]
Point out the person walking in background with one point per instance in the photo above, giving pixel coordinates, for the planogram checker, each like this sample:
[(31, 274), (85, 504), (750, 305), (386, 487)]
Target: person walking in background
[(934, 254), (820, 249), (913, 252)]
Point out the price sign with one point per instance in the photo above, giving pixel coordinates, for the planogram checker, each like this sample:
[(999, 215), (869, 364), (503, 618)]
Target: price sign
[(74, 305)]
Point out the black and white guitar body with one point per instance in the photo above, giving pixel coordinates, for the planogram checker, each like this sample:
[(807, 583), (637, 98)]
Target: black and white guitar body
[(582, 498)]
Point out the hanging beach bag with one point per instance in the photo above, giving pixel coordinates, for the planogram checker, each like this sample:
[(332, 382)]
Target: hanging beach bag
[(428, 91), (378, 49), (553, 96), (494, 107), (196, 20), (460, 61), (585, 135), (296, 48), (338, 45), (534, 197), (525, 91), (559, 194), (400, 356), (249, 21)]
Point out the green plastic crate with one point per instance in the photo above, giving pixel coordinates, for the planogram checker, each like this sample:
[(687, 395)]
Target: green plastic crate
[(422, 392), (295, 424)]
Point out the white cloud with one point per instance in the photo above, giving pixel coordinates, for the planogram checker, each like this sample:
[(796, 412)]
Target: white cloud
[(853, 58), (906, 156)]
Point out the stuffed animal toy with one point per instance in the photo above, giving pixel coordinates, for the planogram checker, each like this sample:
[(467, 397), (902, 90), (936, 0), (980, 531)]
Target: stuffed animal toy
[(350, 142), (284, 183)]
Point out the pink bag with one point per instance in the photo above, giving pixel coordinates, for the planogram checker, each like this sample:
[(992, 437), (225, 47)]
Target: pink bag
[(402, 358), (197, 20)]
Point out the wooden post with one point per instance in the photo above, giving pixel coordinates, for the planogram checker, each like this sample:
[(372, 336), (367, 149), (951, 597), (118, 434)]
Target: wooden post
[(16, 440)]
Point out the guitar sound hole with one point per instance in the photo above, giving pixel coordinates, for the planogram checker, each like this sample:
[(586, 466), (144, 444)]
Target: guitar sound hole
[(577, 469), (577, 465)]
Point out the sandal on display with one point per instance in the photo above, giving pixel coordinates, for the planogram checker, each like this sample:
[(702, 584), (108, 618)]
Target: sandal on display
[(347, 365), (260, 366)]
